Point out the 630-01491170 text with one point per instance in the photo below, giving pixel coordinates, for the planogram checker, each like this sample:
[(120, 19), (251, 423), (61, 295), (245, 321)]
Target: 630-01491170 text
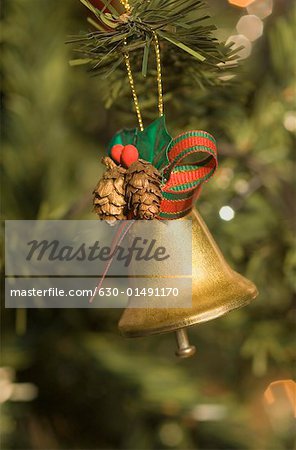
[(102, 292)]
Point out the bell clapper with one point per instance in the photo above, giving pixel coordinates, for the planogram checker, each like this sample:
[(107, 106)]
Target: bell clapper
[(185, 350)]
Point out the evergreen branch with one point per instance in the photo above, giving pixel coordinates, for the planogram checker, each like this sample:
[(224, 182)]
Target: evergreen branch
[(184, 47), (185, 36)]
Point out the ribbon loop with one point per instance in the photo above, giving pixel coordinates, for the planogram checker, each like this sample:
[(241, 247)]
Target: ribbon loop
[(192, 160)]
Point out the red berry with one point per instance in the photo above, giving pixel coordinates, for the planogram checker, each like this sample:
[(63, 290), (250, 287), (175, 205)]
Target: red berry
[(116, 151), (129, 155)]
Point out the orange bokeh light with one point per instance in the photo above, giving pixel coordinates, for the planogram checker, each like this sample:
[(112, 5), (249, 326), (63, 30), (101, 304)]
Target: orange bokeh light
[(281, 391), (241, 3)]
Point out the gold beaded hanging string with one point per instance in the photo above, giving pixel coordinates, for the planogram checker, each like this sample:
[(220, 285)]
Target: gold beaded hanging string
[(132, 85), (126, 4), (127, 7), (158, 69)]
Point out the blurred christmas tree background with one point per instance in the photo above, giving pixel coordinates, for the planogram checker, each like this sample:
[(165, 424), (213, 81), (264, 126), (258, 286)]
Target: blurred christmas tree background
[(68, 380)]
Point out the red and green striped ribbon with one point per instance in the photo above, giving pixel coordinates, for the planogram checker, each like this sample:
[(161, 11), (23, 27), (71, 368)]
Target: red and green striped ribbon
[(193, 160)]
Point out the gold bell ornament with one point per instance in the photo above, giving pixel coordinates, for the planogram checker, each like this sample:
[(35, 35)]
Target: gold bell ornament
[(154, 176), (216, 290)]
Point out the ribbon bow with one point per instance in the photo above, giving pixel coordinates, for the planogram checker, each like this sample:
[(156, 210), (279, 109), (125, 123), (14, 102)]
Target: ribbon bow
[(192, 161), (185, 162)]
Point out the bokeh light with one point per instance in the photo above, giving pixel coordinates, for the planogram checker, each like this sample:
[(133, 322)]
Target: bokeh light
[(280, 402), (241, 3), (241, 186), (224, 177), (171, 434), (290, 121), (242, 42), (19, 392), (226, 213), (209, 412), (250, 26), (261, 8)]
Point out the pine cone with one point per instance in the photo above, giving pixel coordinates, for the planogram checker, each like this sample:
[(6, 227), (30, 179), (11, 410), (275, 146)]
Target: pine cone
[(143, 193), (109, 194)]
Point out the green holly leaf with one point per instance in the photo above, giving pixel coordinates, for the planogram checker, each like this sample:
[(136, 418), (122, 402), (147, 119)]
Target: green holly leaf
[(151, 143), (124, 137)]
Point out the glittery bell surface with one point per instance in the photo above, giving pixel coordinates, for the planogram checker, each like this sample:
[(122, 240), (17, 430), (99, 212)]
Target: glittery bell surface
[(216, 290)]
